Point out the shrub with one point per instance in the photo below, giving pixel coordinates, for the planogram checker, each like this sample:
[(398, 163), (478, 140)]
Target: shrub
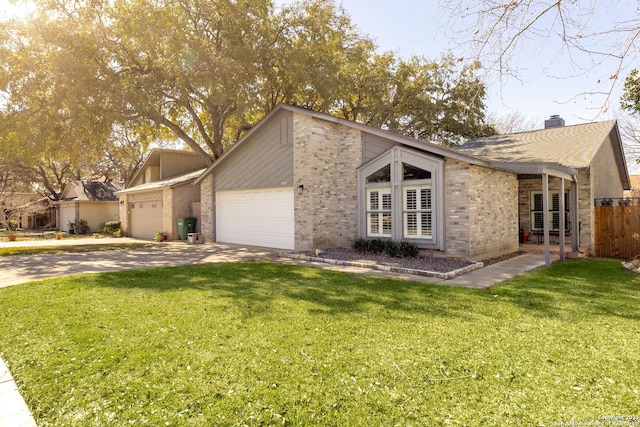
[(110, 227), (360, 245), (408, 249), (388, 247)]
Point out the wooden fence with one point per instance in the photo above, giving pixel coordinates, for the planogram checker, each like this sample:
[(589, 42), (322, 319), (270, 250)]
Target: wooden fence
[(614, 228)]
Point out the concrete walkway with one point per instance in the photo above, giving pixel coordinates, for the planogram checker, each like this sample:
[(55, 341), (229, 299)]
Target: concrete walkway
[(26, 268)]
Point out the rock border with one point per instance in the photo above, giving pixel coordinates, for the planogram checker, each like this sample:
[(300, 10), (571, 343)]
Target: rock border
[(633, 265), (440, 275)]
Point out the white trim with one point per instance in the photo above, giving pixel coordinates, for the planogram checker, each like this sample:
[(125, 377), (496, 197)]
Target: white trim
[(422, 210)]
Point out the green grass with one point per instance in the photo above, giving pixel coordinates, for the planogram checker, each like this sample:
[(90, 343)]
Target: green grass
[(266, 344), (59, 249)]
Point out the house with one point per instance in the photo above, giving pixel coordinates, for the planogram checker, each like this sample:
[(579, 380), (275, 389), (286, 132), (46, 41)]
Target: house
[(30, 210), (92, 201), (39, 214), (589, 166), (303, 180), (160, 192)]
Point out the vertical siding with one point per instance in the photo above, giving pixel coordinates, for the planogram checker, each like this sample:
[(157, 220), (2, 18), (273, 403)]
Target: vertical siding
[(265, 160), (606, 176), (178, 163), (374, 146)]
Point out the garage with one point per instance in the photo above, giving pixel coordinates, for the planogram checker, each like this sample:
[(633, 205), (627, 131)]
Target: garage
[(67, 214), (263, 217), (146, 218)]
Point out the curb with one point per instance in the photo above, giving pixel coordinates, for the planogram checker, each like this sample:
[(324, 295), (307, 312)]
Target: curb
[(439, 275)]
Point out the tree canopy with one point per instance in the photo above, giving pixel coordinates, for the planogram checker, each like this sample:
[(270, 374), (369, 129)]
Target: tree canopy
[(83, 80)]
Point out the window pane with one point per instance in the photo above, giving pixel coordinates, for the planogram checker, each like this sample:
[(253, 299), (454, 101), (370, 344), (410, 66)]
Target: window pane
[(411, 199), (425, 223), (538, 220), (381, 175), (537, 202), (412, 224), (555, 221), (386, 201), (374, 200), (386, 224), (555, 202), (425, 198), (410, 172), (374, 225)]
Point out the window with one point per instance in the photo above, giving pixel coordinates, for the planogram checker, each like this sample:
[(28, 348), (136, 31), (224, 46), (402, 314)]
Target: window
[(418, 214), (537, 211), (400, 193), (379, 212), (381, 175), (411, 173)]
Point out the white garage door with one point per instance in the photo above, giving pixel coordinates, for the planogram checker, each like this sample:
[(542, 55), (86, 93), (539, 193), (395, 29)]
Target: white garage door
[(256, 217), (146, 219)]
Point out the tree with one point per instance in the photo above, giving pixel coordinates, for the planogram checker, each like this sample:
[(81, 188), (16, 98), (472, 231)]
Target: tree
[(599, 38), (512, 123), (80, 73)]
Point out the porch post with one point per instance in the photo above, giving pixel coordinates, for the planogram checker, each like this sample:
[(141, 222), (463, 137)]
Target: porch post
[(575, 230), (545, 218), (561, 218)]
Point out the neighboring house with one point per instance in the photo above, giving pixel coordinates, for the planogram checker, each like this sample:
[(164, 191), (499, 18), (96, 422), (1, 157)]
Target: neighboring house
[(303, 180), (160, 192), (39, 214), (31, 210), (92, 201)]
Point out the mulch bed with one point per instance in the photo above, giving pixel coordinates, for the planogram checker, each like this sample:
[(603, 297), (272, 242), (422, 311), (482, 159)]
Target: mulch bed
[(435, 263)]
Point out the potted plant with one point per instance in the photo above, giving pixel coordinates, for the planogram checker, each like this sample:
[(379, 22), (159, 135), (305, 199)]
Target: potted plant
[(160, 236), (11, 226), (117, 233), (58, 235)]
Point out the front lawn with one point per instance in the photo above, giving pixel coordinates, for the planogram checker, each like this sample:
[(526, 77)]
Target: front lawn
[(268, 344)]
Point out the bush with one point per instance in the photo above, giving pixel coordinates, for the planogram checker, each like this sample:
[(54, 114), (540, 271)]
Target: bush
[(111, 227), (388, 247)]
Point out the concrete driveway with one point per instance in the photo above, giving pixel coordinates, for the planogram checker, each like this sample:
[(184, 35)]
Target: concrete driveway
[(26, 268)]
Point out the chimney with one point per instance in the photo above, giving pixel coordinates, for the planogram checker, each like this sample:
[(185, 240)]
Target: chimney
[(555, 121)]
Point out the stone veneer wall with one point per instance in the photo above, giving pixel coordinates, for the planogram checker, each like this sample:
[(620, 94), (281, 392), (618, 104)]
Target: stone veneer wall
[(493, 213), (207, 213), (325, 158), (456, 189)]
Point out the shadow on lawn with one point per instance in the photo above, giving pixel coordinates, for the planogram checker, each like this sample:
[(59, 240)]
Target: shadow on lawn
[(255, 286), (570, 290), (577, 288)]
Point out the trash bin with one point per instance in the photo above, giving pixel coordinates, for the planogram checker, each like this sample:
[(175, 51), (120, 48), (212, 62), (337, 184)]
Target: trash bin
[(186, 226)]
